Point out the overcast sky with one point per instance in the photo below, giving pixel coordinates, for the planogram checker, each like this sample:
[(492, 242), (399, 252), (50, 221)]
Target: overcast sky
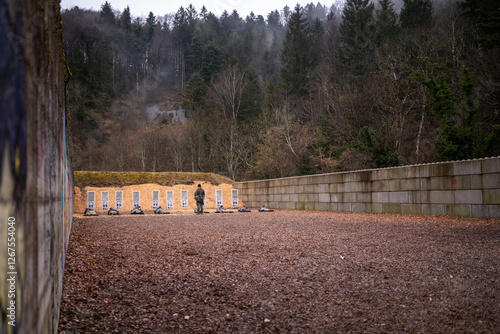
[(162, 7)]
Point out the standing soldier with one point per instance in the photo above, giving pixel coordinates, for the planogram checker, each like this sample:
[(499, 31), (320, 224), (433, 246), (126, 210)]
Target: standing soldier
[(199, 196)]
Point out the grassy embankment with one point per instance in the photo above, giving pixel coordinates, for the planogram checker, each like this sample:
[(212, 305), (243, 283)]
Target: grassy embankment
[(120, 179)]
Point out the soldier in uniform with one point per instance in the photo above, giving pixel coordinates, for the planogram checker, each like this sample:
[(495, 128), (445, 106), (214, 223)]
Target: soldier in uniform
[(199, 196)]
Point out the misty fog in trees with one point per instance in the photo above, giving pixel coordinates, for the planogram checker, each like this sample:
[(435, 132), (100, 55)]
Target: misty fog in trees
[(314, 89)]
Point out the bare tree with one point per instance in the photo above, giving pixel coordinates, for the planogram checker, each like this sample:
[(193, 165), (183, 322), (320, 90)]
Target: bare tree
[(228, 90), (176, 142), (118, 150), (296, 137), (226, 95), (139, 145)]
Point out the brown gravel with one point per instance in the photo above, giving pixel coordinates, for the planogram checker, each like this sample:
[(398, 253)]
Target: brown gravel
[(287, 272)]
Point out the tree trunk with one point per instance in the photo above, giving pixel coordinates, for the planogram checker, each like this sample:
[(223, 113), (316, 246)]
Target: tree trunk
[(417, 150)]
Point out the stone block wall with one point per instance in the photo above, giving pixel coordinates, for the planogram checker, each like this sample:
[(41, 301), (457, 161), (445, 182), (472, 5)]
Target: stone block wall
[(468, 188)]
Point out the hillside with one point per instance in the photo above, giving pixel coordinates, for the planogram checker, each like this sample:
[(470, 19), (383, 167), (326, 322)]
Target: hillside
[(314, 89)]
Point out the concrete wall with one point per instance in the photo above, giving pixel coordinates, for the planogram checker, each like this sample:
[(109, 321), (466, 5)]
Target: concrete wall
[(464, 188), (35, 175)]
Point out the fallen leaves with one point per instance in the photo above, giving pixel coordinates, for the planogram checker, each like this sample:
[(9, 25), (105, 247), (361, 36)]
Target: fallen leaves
[(287, 271)]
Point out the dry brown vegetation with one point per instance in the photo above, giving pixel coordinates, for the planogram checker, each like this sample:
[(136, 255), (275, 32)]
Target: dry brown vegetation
[(287, 271)]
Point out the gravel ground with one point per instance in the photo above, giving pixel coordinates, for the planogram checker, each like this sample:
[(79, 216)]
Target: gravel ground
[(286, 272)]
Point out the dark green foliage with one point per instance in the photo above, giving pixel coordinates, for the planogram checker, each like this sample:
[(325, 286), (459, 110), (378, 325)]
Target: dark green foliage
[(386, 156), (251, 100), (416, 13), (386, 21), (77, 63), (356, 45), (184, 26), (317, 32), (138, 44), (486, 14), (212, 62), (492, 143), (455, 142), (126, 20), (81, 113), (196, 52), (382, 153), (296, 56), (150, 26), (457, 133), (469, 106), (306, 166), (99, 68), (366, 139), (107, 13), (274, 20), (122, 89), (196, 92), (442, 97)]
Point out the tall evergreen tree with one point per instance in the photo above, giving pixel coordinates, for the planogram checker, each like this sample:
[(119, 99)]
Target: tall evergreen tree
[(386, 25), (356, 36), (274, 20), (204, 13), (286, 13), (212, 62), (317, 30), (126, 20), (107, 13), (99, 68), (295, 54), (416, 13), (486, 14), (150, 26), (192, 14), (196, 54), (457, 132), (184, 24), (77, 63), (251, 99), (196, 92)]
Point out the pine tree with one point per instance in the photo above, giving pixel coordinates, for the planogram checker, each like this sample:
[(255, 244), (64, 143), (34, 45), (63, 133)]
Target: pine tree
[(212, 62), (356, 36), (251, 99), (181, 27), (196, 54), (77, 63), (317, 30), (196, 92), (457, 133), (184, 22), (486, 14), (274, 20), (126, 20), (386, 25), (204, 13), (150, 26), (107, 13), (99, 68), (416, 13), (295, 55), (286, 13)]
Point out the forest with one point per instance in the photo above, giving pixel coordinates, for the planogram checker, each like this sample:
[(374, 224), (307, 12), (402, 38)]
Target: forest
[(350, 85)]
